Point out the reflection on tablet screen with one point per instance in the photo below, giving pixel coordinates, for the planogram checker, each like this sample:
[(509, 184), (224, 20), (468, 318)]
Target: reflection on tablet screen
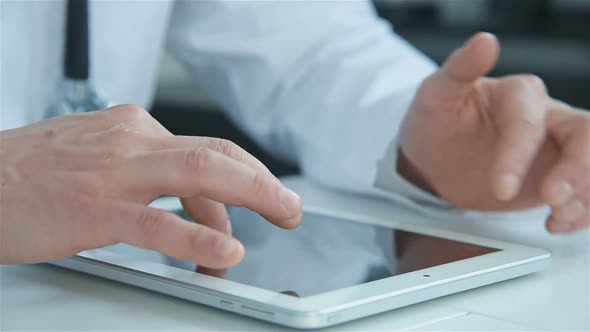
[(325, 254)]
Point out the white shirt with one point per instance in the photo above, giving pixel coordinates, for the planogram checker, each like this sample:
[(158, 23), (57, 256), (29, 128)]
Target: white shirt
[(325, 84), (322, 83)]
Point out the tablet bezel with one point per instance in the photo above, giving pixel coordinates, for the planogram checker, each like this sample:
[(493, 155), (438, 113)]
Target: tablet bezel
[(333, 307)]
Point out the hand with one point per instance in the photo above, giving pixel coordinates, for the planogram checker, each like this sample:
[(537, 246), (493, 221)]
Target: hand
[(83, 181), (497, 144)]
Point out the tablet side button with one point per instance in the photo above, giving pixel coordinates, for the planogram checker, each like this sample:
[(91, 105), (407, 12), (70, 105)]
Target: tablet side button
[(258, 313), (226, 304)]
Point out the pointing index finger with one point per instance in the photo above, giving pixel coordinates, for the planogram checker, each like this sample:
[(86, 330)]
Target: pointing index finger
[(200, 171)]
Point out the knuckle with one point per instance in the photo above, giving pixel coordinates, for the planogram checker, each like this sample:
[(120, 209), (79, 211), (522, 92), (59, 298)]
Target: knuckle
[(50, 133), (159, 128), (197, 158), (531, 125), (523, 126), (82, 204), (535, 82), (276, 187), (200, 239), (224, 146), (130, 113), (107, 157), (102, 159), (118, 131), (518, 84), (527, 82), (258, 183), (149, 223)]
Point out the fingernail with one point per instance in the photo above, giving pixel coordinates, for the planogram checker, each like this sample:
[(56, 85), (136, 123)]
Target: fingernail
[(570, 212), (560, 192), (228, 228), (228, 247), (508, 187), (291, 201)]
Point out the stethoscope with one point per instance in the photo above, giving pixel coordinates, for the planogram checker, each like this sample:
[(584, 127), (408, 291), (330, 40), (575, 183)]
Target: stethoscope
[(76, 93)]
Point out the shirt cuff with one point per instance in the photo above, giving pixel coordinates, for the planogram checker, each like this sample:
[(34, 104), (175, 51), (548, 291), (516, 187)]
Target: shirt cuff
[(389, 179), (389, 184)]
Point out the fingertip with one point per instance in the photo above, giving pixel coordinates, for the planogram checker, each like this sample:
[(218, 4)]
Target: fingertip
[(231, 251), (569, 212), (507, 187), (488, 47), (580, 225), (293, 222), (488, 36), (285, 223), (486, 41), (292, 208), (290, 201), (475, 59), (555, 227), (556, 193), (241, 251), (228, 228), (218, 273)]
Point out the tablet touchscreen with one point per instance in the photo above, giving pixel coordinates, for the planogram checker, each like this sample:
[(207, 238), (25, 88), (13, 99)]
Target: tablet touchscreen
[(325, 254)]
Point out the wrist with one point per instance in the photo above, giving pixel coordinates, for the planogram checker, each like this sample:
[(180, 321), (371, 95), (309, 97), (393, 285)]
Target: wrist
[(408, 171)]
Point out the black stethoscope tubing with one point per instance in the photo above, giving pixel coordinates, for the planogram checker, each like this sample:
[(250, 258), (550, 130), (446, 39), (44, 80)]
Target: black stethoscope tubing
[(76, 47)]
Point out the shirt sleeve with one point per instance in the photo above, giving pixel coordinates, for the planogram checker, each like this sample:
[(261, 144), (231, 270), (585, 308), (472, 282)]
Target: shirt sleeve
[(322, 84)]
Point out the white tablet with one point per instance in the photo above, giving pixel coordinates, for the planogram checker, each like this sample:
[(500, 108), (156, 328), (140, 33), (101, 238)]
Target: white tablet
[(328, 271)]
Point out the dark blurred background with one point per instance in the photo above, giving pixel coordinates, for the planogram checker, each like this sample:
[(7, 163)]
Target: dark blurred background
[(550, 38)]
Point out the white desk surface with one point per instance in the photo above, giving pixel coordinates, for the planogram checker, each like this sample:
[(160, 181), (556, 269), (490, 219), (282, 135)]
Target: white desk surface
[(43, 297)]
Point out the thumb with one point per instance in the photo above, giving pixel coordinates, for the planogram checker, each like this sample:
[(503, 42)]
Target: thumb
[(465, 65)]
